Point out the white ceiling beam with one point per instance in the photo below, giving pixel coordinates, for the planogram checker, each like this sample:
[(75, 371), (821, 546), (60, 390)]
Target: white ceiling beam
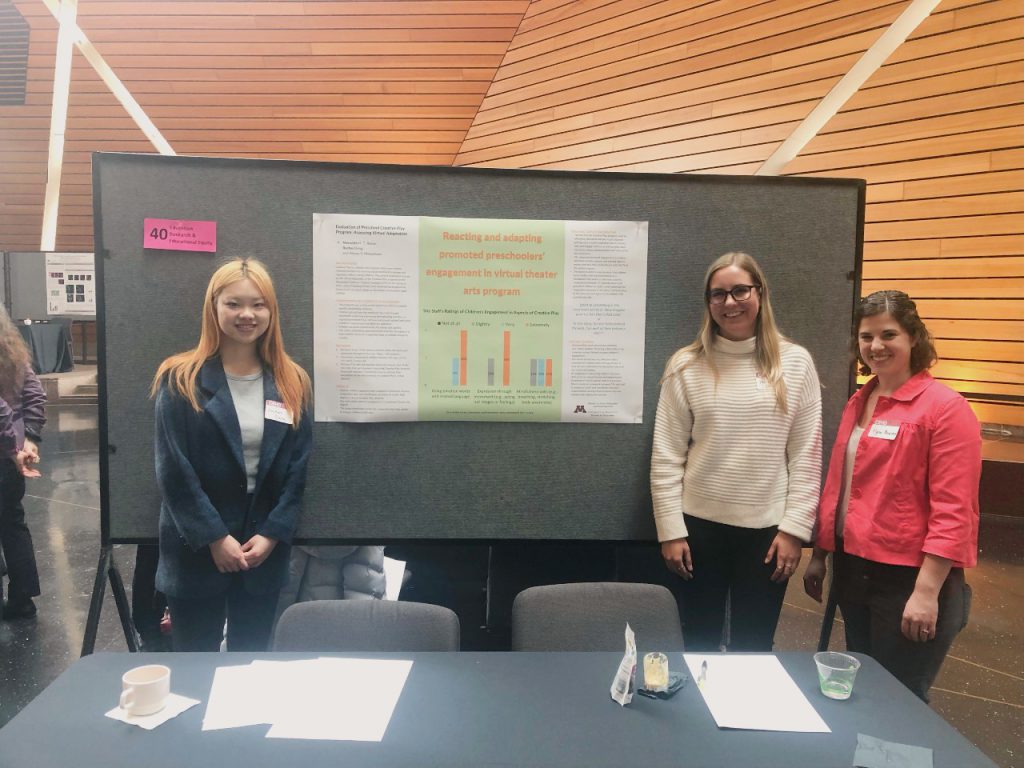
[(114, 83), (66, 13), (866, 66)]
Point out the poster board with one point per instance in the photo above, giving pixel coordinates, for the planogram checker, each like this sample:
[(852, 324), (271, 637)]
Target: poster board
[(465, 481)]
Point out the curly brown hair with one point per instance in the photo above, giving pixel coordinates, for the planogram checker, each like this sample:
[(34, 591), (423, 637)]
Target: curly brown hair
[(14, 358), (903, 310)]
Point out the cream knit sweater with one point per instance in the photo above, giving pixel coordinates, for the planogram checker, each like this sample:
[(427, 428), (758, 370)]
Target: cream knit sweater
[(724, 452)]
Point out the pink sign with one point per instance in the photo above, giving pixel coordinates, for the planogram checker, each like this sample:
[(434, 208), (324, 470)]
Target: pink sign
[(177, 235)]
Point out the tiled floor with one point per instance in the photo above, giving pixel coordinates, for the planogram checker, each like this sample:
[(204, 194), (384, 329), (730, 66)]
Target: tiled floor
[(980, 690)]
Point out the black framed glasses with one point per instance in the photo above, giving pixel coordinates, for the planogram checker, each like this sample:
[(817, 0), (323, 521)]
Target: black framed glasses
[(738, 293)]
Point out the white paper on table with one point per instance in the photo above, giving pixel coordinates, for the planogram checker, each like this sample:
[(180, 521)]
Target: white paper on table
[(341, 699), (244, 695), (394, 573), (754, 692)]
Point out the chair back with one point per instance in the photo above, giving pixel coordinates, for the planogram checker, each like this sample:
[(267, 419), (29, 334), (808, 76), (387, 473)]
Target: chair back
[(366, 625), (593, 616)]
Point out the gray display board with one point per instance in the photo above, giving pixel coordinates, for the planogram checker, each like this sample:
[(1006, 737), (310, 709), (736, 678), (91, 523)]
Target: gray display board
[(450, 480), (28, 285)]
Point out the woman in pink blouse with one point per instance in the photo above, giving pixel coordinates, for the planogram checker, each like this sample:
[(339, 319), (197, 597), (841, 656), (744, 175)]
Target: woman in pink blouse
[(900, 503)]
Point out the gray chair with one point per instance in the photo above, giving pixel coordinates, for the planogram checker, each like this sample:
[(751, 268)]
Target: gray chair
[(592, 617), (366, 625)]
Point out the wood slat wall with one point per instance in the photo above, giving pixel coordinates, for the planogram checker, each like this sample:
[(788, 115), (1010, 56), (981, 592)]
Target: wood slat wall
[(702, 86), (715, 87), (396, 82)]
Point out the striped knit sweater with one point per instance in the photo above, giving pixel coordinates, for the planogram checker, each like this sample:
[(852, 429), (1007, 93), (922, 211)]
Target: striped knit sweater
[(724, 451)]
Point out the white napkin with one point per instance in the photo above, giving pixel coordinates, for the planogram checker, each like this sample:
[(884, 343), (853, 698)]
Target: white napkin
[(175, 706)]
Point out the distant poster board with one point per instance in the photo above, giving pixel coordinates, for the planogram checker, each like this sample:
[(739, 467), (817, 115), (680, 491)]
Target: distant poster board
[(70, 284)]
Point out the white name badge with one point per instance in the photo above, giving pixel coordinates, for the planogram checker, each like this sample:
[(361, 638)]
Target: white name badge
[(759, 382), (884, 430), (276, 411)]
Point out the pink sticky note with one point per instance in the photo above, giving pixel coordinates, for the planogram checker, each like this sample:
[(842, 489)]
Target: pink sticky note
[(179, 235)]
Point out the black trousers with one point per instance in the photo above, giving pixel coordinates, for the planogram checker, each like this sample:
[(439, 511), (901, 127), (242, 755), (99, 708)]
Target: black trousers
[(14, 535), (728, 563), (198, 625), (147, 603), (872, 597)]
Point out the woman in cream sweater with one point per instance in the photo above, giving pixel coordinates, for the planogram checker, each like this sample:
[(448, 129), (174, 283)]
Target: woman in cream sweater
[(736, 461)]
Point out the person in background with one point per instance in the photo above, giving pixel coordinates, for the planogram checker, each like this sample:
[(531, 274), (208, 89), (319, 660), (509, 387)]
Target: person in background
[(25, 402), (900, 502), (233, 438), (736, 462)]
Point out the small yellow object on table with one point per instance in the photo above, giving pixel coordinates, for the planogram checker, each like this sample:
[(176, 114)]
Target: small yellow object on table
[(656, 671)]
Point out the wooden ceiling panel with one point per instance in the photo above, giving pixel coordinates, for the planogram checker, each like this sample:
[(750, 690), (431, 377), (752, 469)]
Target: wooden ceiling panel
[(396, 82)]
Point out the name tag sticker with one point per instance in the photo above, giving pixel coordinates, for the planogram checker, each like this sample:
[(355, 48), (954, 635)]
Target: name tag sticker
[(884, 430), (759, 382), (276, 411)]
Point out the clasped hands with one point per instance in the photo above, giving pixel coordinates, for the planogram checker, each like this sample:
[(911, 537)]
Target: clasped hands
[(27, 458), (230, 556), (785, 549)]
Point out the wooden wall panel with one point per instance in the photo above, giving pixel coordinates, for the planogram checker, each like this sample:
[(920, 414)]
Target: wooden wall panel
[(392, 82), (681, 86), (698, 86)]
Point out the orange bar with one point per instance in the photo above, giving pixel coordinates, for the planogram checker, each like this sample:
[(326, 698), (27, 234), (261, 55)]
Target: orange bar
[(547, 373), (506, 359), (463, 343)]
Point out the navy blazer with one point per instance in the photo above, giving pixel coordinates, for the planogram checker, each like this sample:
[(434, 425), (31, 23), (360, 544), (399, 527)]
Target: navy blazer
[(201, 473)]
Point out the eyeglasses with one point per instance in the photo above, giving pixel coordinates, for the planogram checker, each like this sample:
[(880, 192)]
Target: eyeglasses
[(738, 292)]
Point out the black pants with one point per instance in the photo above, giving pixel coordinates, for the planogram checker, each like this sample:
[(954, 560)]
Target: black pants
[(198, 625), (728, 562), (147, 603), (15, 537), (872, 597)]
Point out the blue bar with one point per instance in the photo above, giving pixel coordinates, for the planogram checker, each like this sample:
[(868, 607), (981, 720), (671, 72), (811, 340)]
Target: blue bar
[(455, 371)]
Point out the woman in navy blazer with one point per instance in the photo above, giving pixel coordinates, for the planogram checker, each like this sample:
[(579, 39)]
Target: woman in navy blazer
[(233, 436)]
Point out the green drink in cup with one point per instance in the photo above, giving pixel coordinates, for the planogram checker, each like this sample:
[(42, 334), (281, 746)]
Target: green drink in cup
[(836, 673)]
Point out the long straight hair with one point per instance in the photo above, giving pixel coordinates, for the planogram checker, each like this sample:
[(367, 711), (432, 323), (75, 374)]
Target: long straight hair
[(14, 358), (768, 339), (182, 369)]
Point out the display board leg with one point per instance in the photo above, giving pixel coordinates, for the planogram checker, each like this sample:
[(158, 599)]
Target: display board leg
[(106, 570), (830, 611)]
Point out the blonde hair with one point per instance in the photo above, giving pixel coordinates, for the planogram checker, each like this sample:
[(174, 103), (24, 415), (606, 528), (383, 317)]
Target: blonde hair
[(182, 369), (768, 339), (14, 358)]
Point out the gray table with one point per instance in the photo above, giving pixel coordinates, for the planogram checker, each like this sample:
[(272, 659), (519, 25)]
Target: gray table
[(474, 709), (50, 345)]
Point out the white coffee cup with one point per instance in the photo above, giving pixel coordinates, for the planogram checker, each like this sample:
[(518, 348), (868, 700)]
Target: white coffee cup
[(144, 690)]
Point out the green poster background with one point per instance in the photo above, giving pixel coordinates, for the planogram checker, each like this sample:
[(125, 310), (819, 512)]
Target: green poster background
[(486, 277)]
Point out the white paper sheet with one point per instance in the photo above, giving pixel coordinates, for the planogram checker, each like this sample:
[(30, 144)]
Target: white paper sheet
[(325, 698), (753, 692), (394, 574), (341, 699), (238, 697)]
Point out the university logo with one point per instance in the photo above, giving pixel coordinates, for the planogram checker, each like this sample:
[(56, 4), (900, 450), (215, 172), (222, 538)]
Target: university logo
[(580, 409)]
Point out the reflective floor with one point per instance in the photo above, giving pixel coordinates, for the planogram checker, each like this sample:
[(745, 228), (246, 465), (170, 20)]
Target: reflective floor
[(980, 689)]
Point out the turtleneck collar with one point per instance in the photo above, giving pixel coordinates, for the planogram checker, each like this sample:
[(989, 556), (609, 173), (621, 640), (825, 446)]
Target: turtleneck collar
[(728, 347)]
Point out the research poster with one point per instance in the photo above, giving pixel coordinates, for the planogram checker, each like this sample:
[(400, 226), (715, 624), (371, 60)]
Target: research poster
[(454, 319), (70, 284)]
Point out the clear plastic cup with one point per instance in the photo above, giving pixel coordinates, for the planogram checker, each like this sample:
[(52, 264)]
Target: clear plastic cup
[(836, 673)]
